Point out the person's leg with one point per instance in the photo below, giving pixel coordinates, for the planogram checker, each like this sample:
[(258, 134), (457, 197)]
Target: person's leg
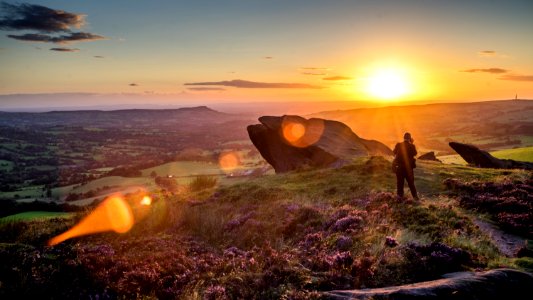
[(399, 183), (411, 182)]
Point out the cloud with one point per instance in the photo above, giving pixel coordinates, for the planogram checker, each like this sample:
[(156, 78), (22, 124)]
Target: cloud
[(62, 39), (133, 84), (36, 17), (98, 56), (489, 70), (334, 78), (268, 57), (51, 25), (258, 85), (202, 89), (516, 77), (487, 53), (61, 49), (315, 68), (314, 73)]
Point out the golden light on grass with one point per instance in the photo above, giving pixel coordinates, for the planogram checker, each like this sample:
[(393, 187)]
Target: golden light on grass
[(388, 84), (229, 161), (146, 200), (113, 214), (301, 133)]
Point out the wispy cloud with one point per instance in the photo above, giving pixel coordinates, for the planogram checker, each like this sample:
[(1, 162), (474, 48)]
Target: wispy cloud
[(46, 21), (258, 85), (489, 70), (98, 56), (487, 53), (315, 69), (62, 39), (516, 77), (268, 57), (314, 73), (337, 78), (61, 49), (133, 84), (206, 89)]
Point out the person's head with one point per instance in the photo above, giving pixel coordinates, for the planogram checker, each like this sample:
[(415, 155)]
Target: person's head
[(407, 137)]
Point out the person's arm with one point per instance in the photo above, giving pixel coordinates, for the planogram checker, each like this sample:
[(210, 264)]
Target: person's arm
[(414, 150), (395, 151)]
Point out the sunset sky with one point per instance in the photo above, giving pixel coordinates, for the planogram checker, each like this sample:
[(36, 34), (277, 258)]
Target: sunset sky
[(272, 50)]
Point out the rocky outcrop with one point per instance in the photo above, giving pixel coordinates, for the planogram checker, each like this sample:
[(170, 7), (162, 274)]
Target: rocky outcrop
[(474, 156), (292, 142), (494, 284), (429, 156)]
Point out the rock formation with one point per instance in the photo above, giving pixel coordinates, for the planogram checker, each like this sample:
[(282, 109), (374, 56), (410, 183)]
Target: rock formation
[(292, 142), (429, 156), (474, 156), (494, 284)]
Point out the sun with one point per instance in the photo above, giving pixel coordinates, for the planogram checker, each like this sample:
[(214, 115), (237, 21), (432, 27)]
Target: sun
[(388, 84)]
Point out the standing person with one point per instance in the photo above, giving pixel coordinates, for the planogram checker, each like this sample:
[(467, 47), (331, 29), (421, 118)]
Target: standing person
[(405, 160)]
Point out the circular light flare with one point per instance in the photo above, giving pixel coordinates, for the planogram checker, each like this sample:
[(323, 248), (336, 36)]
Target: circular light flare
[(229, 161), (146, 200), (300, 132), (293, 131), (388, 84)]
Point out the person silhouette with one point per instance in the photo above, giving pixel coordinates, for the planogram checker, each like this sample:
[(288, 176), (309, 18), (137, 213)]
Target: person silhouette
[(404, 155)]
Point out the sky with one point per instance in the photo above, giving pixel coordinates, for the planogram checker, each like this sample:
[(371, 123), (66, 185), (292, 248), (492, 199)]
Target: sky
[(251, 50)]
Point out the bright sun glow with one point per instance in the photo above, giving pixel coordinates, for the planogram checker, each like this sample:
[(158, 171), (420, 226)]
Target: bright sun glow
[(388, 84)]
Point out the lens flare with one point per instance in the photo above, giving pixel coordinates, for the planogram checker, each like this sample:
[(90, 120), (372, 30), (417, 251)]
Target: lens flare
[(146, 200), (300, 132), (229, 161), (113, 214), (293, 131)]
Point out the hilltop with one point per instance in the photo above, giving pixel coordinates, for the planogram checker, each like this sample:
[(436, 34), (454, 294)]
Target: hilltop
[(490, 125), (281, 236)]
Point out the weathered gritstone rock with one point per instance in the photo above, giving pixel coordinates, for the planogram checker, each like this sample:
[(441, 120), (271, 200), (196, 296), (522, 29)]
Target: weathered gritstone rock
[(479, 158), (292, 142), (493, 284), (429, 156)]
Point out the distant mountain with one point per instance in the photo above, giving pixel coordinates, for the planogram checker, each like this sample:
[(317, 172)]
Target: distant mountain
[(489, 125), (131, 117)]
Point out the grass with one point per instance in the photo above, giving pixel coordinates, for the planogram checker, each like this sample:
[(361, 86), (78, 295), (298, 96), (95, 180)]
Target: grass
[(272, 237), (6, 165), (184, 168), (114, 181), (520, 154), (35, 215)]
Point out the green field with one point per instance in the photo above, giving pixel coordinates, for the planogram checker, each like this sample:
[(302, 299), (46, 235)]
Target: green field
[(34, 215), (184, 168), (521, 154), (113, 181), (454, 159), (6, 165)]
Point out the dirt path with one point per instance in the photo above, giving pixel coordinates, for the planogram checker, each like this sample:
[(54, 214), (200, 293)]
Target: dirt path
[(508, 244)]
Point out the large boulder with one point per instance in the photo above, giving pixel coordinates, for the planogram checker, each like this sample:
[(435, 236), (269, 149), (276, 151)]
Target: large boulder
[(488, 285), (429, 156), (479, 158), (293, 142)]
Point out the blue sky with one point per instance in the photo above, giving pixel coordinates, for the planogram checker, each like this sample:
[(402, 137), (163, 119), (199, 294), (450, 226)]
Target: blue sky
[(157, 47)]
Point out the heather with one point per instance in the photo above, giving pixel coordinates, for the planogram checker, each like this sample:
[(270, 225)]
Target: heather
[(287, 236)]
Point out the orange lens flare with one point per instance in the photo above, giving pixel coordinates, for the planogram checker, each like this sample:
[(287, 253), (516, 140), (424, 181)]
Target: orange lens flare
[(113, 214), (146, 200), (300, 132), (229, 161)]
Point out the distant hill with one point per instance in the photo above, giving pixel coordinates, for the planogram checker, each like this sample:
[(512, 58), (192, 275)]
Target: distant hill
[(490, 125), (132, 117)]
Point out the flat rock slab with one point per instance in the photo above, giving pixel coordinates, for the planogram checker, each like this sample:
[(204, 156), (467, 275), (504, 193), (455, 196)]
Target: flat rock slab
[(504, 284)]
